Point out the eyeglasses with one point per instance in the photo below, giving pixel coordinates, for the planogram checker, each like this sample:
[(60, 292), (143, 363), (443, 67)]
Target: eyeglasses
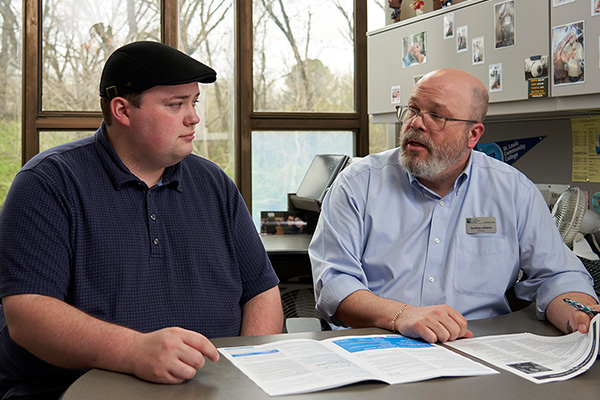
[(433, 122)]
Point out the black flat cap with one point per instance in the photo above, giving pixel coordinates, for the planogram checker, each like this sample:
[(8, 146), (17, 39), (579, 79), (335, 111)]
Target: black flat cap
[(139, 66)]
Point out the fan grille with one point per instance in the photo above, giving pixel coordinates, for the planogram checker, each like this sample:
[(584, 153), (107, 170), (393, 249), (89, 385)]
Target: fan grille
[(298, 301), (568, 213)]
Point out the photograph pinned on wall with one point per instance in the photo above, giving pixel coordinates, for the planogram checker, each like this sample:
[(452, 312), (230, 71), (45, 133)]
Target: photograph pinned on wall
[(557, 3), (414, 49), (595, 8), (478, 50), (449, 26), (495, 76), (536, 67), (568, 53), (462, 35), (396, 95), (504, 19), (416, 79)]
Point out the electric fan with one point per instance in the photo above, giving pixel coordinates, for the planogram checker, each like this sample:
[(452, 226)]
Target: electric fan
[(572, 216)]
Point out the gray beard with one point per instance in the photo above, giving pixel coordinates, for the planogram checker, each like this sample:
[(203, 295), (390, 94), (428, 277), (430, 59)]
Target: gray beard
[(438, 161)]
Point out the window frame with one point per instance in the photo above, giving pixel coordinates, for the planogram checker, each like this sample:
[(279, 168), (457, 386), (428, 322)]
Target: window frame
[(246, 121)]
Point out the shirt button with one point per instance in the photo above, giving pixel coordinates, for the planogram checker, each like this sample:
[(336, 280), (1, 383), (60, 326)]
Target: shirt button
[(436, 240), (155, 240), (431, 279), (153, 217), (441, 202)]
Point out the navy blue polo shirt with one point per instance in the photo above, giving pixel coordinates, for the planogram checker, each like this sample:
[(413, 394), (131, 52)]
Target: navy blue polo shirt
[(77, 225)]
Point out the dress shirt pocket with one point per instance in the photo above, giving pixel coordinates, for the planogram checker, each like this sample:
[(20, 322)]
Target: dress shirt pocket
[(483, 265)]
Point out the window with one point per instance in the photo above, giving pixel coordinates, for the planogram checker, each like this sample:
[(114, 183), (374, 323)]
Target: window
[(303, 56), (51, 139), (315, 84), (206, 32), (77, 38), (381, 136), (10, 93), (308, 89), (280, 161)]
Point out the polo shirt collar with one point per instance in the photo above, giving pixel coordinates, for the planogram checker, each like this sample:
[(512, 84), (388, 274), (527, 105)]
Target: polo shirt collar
[(119, 174)]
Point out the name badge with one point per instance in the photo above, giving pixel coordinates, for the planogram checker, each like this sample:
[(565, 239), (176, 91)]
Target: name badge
[(481, 225)]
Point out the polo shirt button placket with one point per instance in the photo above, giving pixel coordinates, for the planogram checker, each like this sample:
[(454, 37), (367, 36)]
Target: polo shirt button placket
[(153, 218)]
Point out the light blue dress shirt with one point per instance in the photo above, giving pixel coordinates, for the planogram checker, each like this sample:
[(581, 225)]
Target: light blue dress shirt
[(382, 231)]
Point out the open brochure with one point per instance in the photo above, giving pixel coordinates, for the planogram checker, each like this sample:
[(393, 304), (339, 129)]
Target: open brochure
[(305, 365), (539, 359)]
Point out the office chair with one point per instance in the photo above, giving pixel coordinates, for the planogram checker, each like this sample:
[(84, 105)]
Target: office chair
[(302, 324), (298, 302)]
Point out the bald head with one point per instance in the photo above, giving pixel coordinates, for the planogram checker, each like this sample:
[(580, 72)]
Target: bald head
[(460, 86)]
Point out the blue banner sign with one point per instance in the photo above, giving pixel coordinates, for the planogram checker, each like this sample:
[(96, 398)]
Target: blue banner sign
[(509, 151)]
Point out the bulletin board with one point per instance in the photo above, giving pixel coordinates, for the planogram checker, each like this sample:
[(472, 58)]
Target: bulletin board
[(466, 36), (581, 19)]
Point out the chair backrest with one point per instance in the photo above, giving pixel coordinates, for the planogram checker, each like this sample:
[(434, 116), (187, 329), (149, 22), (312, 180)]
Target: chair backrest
[(303, 324)]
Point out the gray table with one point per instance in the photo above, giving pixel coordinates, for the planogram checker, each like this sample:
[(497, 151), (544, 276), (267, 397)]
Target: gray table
[(222, 380)]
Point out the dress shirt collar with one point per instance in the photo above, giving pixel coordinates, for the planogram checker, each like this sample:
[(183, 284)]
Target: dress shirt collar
[(460, 181)]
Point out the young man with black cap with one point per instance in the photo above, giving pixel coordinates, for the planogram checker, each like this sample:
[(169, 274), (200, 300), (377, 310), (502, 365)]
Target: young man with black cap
[(124, 251)]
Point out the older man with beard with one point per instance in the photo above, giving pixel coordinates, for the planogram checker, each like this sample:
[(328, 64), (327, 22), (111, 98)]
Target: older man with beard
[(421, 238)]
